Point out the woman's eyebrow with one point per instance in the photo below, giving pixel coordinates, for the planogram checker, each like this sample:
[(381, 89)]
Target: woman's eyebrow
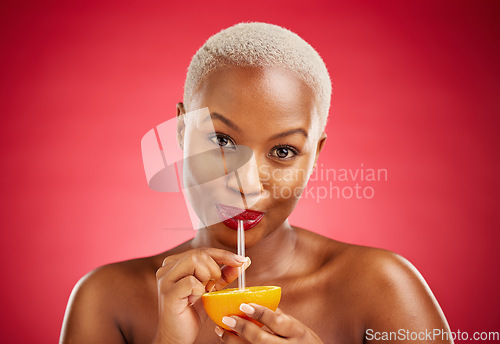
[(290, 132), (225, 120), (230, 124)]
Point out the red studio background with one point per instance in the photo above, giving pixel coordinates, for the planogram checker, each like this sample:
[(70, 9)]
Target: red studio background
[(416, 92)]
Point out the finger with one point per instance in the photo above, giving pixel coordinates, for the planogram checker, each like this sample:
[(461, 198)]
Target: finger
[(199, 264), (222, 257), (280, 323), (229, 274), (168, 276), (251, 332), (213, 269), (210, 286), (183, 293), (230, 337)]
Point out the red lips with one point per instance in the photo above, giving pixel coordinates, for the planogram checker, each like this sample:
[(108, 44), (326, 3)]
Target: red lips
[(230, 216)]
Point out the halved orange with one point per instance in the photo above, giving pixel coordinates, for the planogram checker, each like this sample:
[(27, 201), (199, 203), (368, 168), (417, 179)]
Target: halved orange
[(227, 302)]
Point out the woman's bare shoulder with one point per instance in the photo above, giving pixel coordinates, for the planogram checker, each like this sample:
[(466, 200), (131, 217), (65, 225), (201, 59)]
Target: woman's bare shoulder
[(103, 297), (127, 273), (369, 267), (385, 286), (365, 269), (375, 268), (372, 262), (124, 273)]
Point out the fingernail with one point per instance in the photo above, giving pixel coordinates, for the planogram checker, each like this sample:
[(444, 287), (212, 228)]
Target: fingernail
[(239, 259), (247, 262), (210, 285), (247, 309), (219, 331), (229, 322)]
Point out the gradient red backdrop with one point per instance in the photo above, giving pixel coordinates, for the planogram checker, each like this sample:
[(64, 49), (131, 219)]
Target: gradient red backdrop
[(416, 92)]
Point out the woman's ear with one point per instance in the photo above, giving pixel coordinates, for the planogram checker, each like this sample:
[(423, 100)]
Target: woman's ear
[(321, 144), (181, 124)]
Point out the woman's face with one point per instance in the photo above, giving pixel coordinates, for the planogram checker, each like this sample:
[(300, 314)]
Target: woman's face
[(261, 137)]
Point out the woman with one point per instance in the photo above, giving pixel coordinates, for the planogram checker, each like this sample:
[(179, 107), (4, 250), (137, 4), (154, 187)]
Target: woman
[(266, 89)]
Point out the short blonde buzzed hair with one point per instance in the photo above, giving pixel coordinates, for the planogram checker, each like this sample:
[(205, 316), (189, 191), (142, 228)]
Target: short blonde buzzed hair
[(261, 45)]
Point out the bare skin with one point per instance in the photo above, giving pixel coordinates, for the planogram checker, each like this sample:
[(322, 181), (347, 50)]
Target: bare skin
[(332, 292)]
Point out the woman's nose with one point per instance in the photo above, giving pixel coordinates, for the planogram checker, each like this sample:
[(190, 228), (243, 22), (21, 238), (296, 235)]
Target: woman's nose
[(246, 180)]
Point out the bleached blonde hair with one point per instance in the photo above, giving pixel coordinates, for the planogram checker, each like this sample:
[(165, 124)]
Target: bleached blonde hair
[(261, 45)]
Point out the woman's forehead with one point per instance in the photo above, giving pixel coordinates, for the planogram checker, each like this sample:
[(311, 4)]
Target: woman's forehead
[(268, 94)]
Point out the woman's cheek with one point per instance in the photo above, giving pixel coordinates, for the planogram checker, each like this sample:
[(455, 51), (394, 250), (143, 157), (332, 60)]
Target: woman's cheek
[(286, 185)]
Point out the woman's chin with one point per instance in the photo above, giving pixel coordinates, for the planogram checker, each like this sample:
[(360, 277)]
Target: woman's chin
[(228, 237)]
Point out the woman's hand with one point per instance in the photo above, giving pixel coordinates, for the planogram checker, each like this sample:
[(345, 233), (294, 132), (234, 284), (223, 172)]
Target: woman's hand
[(182, 280), (285, 328)]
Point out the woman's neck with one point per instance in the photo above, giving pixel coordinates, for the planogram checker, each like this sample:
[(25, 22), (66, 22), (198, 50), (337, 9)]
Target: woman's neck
[(271, 257)]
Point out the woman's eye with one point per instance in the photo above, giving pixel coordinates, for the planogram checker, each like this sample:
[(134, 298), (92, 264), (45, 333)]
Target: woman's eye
[(284, 152), (223, 141)]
